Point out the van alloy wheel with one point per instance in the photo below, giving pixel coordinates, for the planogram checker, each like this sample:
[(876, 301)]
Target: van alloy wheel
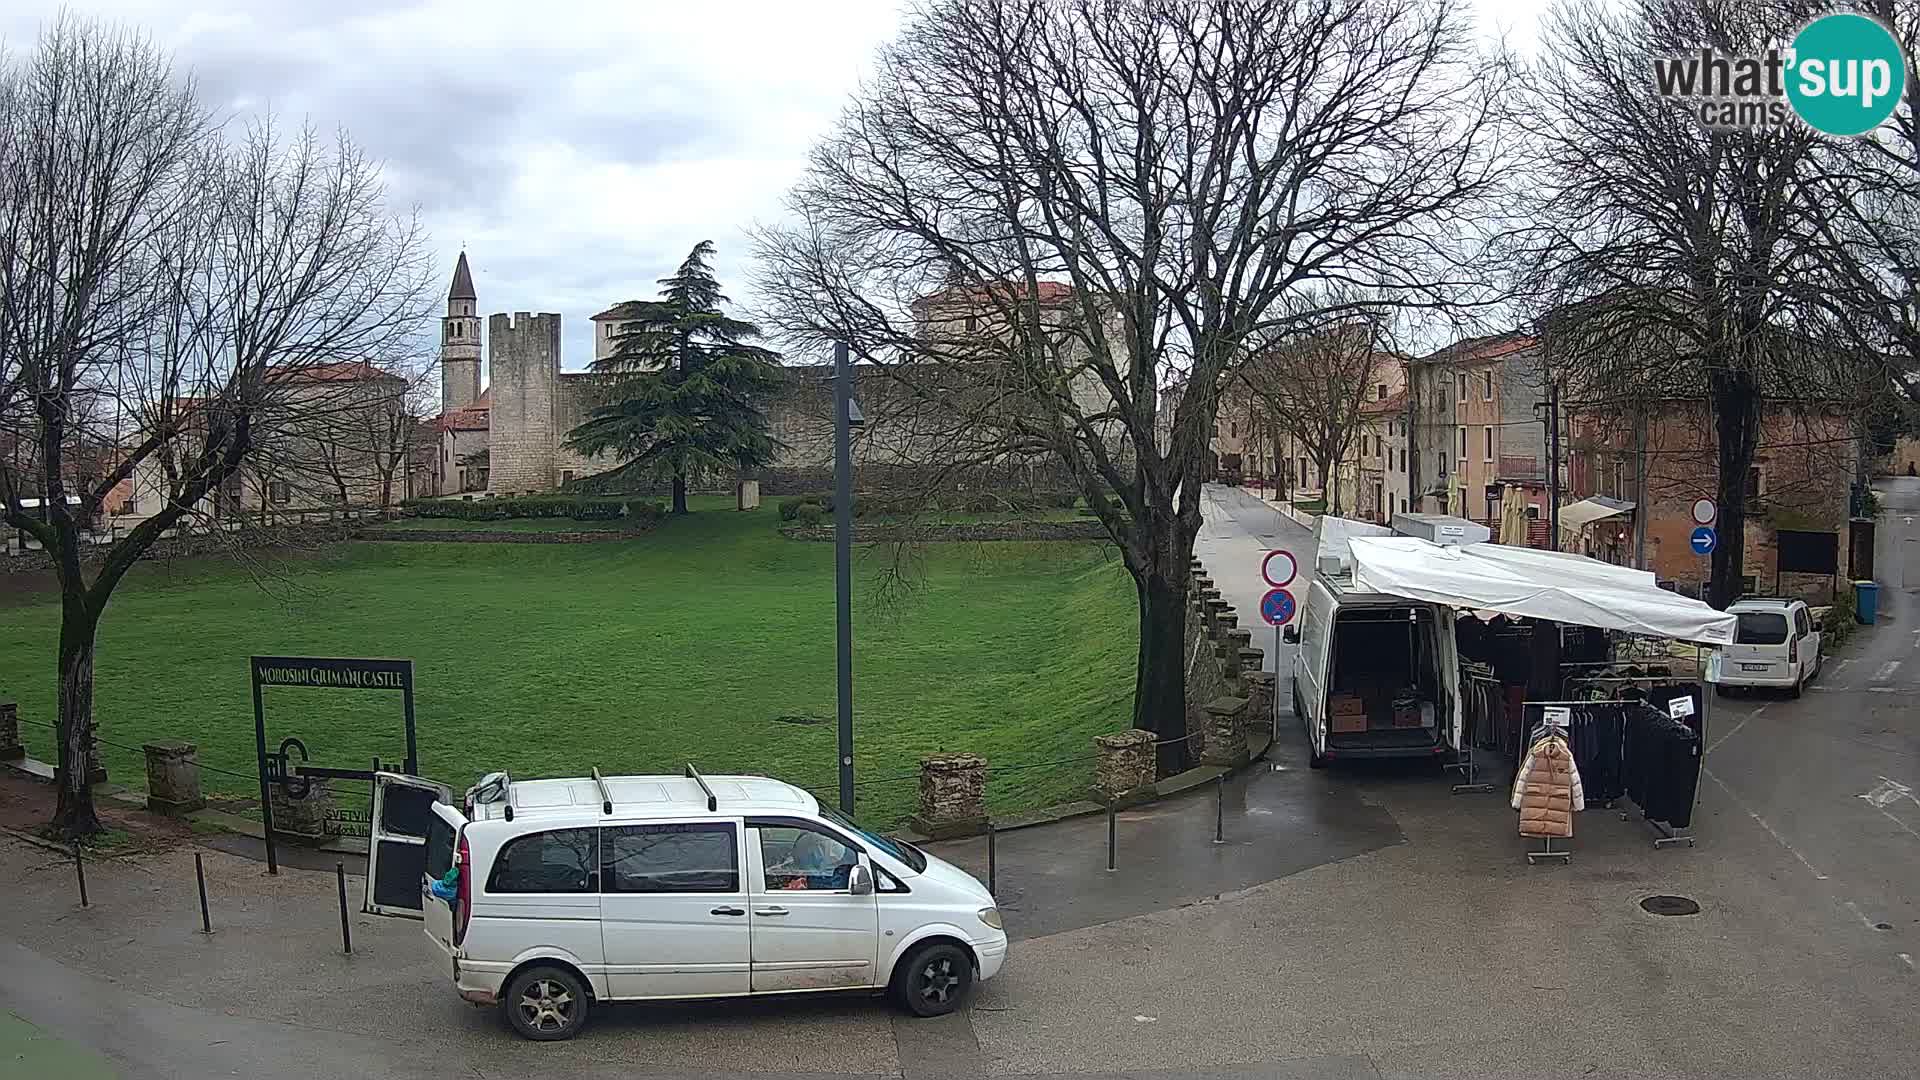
[(936, 982), (547, 1006)]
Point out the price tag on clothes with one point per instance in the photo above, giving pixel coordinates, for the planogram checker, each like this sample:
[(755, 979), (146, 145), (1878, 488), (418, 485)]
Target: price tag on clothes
[(1680, 708), (1557, 715)]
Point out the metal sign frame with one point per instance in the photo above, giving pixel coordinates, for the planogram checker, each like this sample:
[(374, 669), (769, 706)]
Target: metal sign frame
[(325, 673)]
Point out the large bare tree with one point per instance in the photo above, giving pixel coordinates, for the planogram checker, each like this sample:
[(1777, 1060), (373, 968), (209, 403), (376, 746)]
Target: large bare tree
[(1045, 212), (164, 298), (1672, 260)]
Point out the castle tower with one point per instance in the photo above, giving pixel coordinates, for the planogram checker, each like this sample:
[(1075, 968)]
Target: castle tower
[(524, 393), (460, 343)]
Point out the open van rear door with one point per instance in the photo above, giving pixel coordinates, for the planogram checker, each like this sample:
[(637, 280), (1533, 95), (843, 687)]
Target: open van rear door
[(397, 846)]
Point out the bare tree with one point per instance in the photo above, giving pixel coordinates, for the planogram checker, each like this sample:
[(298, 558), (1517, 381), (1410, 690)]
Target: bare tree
[(163, 299), (1670, 259), (1312, 386), (1066, 205)]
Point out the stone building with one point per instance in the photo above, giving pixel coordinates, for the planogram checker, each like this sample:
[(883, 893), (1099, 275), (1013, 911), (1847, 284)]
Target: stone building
[(509, 437), (1479, 426)]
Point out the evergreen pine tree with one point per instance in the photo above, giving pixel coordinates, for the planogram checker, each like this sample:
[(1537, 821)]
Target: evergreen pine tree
[(685, 388)]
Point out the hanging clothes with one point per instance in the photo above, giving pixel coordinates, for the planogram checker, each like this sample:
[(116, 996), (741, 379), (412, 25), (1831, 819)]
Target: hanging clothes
[(1547, 790)]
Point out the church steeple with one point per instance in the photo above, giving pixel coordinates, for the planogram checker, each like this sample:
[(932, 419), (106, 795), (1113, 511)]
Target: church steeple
[(460, 343), (462, 281)]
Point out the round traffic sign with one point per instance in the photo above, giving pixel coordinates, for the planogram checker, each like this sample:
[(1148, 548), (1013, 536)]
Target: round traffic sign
[(1702, 540), (1277, 607), (1704, 512), (1279, 568)]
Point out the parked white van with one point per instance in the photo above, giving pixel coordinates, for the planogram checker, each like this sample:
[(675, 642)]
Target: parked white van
[(1775, 644), (641, 888)]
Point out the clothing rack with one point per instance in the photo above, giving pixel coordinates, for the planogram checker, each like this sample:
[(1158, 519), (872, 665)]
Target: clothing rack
[(1665, 833), (1565, 855), (1482, 696)]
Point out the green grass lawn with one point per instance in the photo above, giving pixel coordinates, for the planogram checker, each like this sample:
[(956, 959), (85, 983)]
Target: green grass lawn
[(709, 641)]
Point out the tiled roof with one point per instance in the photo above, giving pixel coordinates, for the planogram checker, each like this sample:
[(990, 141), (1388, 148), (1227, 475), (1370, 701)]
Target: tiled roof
[(340, 371), (477, 418), (1048, 292), (621, 310), (1480, 350)]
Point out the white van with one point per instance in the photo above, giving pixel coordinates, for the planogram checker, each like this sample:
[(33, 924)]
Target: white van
[(1376, 675), (642, 888), (1775, 644)]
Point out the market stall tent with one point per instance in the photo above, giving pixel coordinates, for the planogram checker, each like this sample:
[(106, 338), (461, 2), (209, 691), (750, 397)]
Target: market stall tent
[(1533, 584)]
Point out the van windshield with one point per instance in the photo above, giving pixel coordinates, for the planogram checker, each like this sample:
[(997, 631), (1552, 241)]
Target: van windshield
[(899, 849), (1760, 628)]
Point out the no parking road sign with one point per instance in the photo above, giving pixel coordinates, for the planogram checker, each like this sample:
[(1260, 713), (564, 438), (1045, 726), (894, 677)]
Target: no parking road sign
[(1277, 607)]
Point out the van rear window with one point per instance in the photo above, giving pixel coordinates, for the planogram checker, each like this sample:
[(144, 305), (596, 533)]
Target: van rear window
[(439, 846), (1760, 628)]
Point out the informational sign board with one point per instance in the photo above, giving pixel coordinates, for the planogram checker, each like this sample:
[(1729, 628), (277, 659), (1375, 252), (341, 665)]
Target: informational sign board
[(1704, 512), (1702, 540), (1808, 552), (1681, 707), (1559, 716)]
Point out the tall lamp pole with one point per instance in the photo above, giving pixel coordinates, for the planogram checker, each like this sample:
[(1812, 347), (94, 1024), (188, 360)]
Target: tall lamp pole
[(843, 561)]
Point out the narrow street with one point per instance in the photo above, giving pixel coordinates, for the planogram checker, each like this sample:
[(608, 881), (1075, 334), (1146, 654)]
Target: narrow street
[(1237, 528)]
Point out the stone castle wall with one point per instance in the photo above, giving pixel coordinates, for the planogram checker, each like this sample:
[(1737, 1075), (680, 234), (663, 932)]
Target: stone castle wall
[(525, 352)]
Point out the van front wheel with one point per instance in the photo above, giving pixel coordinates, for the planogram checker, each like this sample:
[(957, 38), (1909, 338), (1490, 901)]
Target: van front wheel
[(545, 1004), (934, 980)]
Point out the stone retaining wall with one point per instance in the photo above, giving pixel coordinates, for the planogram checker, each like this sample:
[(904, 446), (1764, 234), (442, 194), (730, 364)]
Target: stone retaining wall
[(197, 544), (864, 533), (499, 536)]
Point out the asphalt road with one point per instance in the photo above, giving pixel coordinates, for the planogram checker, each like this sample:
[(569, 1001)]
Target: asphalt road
[(1422, 946), (1236, 531)]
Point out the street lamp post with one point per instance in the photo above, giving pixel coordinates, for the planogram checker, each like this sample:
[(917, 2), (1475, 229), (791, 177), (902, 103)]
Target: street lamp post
[(843, 561)]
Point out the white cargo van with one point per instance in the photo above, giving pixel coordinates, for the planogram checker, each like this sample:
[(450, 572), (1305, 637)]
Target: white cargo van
[(1376, 675), (628, 888)]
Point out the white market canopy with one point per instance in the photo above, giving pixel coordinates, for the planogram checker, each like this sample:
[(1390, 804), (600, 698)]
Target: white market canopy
[(1576, 516), (1534, 584)]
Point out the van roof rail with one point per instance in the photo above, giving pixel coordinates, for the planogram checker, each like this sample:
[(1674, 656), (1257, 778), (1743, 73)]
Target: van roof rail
[(606, 797), (693, 774)]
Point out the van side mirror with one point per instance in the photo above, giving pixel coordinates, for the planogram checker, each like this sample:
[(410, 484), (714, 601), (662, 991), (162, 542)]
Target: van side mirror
[(1290, 635), (860, 880)]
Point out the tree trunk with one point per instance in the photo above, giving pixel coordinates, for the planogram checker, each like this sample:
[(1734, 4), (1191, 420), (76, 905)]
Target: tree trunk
[(1160, 676), (1736, 410), (74, 816), (679, 492)]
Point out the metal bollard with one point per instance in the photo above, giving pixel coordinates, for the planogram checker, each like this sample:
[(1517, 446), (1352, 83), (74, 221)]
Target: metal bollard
[(80, 871), (1220, 809), (992, 831), (1110, 843), (200, 875), (346, 930)]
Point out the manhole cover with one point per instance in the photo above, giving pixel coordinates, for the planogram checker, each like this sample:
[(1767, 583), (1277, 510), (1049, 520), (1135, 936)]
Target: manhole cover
[(1670, 905), (792, 719)]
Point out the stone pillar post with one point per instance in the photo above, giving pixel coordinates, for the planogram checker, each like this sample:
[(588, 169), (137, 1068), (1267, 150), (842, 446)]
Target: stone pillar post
[(1227, 732), (1260, 700), (311, 818), (173, 777), (749, 495), (1126, 767), (953, 796), (1214, 609), (11, 748)]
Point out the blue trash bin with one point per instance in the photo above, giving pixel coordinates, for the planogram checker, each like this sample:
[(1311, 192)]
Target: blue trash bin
[(1866, 601)]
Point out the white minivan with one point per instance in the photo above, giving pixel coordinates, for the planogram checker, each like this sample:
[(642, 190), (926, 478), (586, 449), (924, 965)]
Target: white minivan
[(1775, 644), (644, 888)]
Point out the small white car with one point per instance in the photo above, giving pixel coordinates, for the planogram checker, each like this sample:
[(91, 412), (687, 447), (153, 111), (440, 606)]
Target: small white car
[(1775, 644), (569, 893)]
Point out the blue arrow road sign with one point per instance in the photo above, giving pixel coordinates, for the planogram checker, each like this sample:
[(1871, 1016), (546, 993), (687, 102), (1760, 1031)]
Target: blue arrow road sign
[(1702, 540), (1277, 607)]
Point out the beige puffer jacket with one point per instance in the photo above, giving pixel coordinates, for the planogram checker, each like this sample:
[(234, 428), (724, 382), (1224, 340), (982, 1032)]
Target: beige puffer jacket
[(1547, 790)]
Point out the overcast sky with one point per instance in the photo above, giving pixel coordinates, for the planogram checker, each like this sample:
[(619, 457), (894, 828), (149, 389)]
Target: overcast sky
[(575, 148)]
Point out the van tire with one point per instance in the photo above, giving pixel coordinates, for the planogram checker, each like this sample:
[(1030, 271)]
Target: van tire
[(565, 1013), (934, 979)]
